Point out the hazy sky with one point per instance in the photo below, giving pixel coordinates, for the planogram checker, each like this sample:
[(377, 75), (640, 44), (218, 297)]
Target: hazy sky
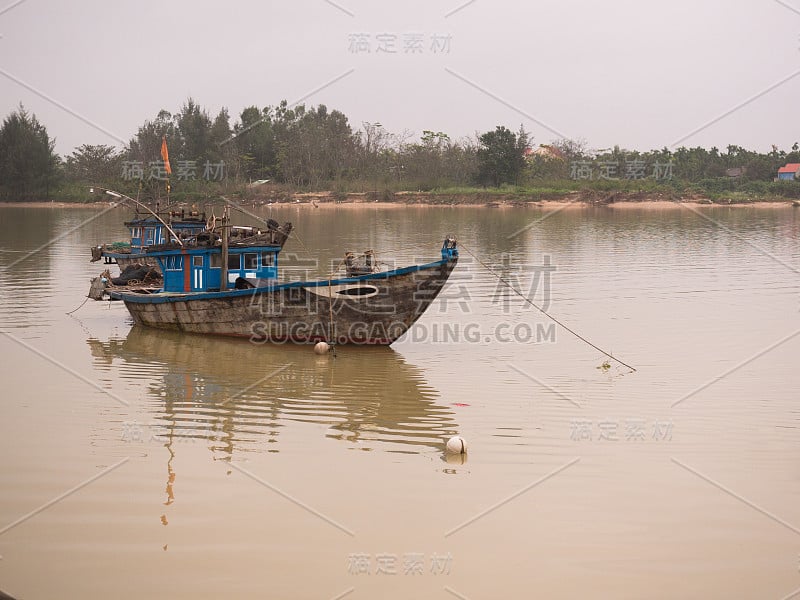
[(630, 72)]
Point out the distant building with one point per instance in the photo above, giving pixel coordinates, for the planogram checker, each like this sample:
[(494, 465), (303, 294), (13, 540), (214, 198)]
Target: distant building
[(736, 172), (790, 172), (257, 183), (545, 151)]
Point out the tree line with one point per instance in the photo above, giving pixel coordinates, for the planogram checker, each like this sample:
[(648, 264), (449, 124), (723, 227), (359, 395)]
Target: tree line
[(314, 148)]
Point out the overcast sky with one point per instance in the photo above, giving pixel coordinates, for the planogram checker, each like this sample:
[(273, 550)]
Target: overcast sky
[(641, 74)]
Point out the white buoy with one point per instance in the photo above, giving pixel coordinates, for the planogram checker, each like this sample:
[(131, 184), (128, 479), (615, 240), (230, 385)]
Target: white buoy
[(456, 445), (322, 348)]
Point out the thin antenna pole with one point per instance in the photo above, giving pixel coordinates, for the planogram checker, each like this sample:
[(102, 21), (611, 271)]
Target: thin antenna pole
[(147, 208)]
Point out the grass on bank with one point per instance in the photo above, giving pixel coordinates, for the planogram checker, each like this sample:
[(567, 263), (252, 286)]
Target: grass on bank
[(717, 190)]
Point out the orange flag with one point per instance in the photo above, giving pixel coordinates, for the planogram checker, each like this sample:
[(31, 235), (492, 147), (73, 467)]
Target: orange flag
[(165, 155)]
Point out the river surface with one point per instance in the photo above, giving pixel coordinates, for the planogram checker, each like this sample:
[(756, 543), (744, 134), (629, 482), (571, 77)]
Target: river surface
[(146, 464)]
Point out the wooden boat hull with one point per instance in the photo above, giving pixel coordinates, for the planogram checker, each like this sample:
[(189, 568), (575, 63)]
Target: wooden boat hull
[(125, 259), (371, 309), (140, 259)]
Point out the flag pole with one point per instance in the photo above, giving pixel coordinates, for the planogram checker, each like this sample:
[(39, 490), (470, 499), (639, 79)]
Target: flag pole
[(167, 167)]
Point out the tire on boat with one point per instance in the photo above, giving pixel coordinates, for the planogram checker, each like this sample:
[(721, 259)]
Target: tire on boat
[(242, 284)]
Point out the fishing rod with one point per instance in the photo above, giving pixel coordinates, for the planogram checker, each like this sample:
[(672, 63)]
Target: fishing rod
[(123, 197)]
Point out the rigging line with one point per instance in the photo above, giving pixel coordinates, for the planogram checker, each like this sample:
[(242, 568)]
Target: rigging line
[(544, 312), (335, 271), (293, 234)]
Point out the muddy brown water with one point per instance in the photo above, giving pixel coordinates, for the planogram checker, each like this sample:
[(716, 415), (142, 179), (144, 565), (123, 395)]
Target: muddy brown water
[(140, 463)]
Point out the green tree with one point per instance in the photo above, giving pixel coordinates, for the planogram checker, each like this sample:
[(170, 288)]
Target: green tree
[(315, 146), (501, 156), (761, 168), (28, 165), (220, 133), (93, 164), (460, 163), (222, 147), (572, 149), (794, 155), (193, 126), (254, 141), (145, 148), (423, 163), (547, 165)]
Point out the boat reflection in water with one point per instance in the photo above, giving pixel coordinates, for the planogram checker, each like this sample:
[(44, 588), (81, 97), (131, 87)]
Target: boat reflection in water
[(237, 396)]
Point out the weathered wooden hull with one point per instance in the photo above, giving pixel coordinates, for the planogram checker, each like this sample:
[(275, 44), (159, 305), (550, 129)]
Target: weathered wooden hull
[(125, 259), (141, 259), (371, 309)]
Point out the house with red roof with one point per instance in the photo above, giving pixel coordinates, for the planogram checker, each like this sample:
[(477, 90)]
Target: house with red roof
[(790, 172)]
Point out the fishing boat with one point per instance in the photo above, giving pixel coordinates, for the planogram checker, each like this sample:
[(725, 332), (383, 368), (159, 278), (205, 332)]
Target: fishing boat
[(224, 281)]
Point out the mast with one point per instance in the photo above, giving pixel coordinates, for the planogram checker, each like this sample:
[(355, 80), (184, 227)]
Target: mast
[(223, 284)]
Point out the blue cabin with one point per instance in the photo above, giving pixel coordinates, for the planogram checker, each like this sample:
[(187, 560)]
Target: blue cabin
[(146, 232), (149, 231), (199, 269)]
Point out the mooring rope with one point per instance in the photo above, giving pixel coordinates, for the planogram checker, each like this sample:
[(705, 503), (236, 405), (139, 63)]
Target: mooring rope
[(541, 310), (76, 310)]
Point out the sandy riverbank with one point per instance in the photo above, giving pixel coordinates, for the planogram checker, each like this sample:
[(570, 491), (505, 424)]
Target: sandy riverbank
[(50, 204), (544, 205), (326, 200)]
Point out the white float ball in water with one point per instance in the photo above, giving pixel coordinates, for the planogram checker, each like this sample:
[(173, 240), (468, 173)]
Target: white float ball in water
[(321, 348), (456, 445)]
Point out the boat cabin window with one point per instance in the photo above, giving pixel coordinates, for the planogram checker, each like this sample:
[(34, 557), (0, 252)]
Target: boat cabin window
[(136, 232), (234, 261), (197, 261), (148, 235), (216, 261), (267, 259), (251, 260), (173, 263)]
